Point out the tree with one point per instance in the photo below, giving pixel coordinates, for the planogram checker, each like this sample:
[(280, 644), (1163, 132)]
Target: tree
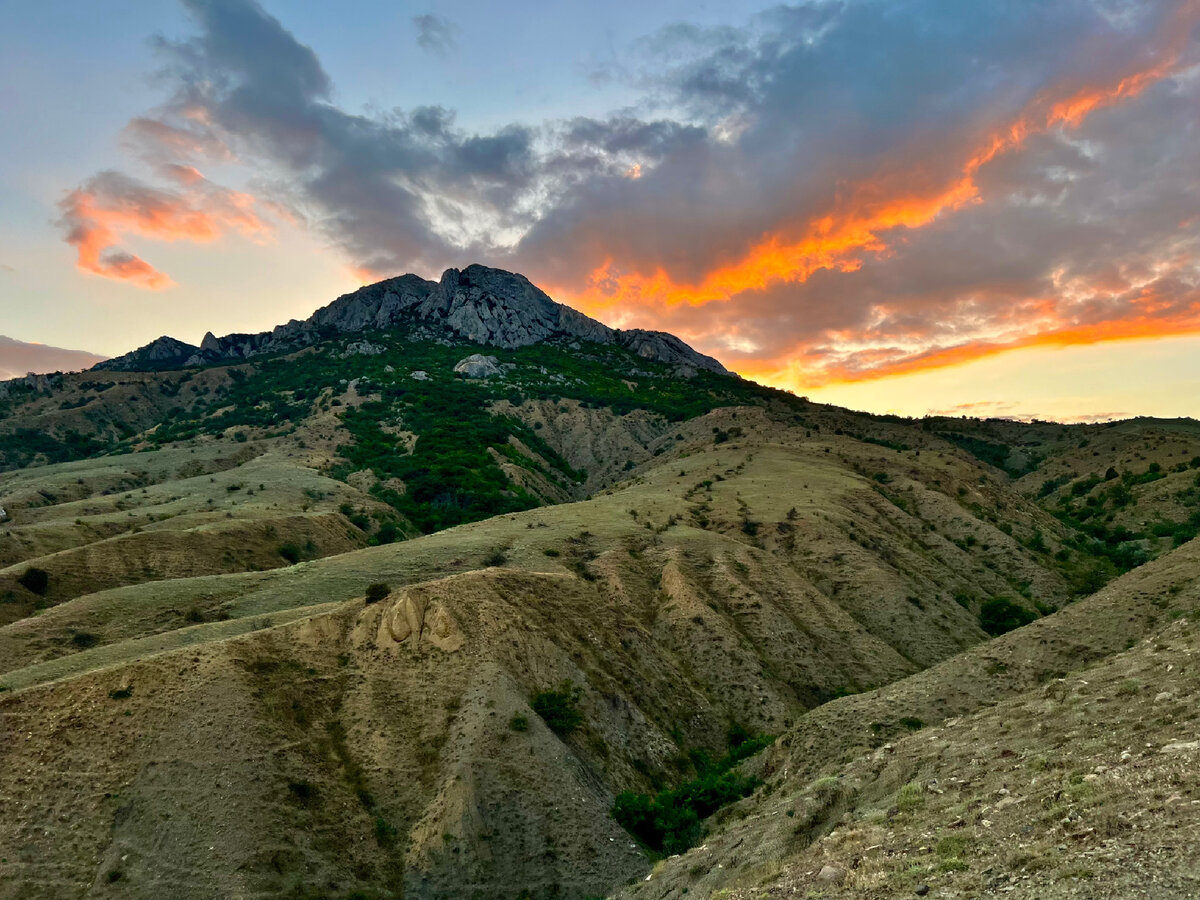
[(999, 615), (377, 592), (35, 580)]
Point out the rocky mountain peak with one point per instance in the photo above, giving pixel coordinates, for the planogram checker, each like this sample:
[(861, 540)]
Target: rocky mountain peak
[(162, 353), (489, 306)]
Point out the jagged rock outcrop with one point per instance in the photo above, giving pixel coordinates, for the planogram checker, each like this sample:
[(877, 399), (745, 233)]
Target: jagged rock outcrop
[(31, 382), (485, 305), (362, 348)]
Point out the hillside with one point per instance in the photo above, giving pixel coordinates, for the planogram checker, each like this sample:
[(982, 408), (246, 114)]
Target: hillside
[(399, 600), (1057, 761)]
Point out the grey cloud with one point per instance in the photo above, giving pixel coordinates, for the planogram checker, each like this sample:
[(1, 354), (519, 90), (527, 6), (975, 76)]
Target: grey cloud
[(400, 191), (435, 34)]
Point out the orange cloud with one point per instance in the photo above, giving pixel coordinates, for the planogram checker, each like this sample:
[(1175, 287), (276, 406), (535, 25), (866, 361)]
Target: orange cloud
[(110, 205), (865, 212), (1149, 312)]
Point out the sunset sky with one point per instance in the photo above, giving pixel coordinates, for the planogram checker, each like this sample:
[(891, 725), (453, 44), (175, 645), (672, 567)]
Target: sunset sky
[(896, 205)]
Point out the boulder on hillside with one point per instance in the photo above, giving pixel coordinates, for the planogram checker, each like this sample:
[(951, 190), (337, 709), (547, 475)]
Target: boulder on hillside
[(478, 366), (362, 348)]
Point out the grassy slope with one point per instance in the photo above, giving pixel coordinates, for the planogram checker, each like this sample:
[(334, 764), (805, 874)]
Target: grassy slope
[(1052, 768)]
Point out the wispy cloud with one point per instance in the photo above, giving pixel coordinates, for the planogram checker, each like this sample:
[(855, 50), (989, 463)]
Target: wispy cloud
[(435, 34)]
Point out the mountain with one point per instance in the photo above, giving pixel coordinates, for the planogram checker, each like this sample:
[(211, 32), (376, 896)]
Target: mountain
[(416, 603), (484, 305), (18, 358)]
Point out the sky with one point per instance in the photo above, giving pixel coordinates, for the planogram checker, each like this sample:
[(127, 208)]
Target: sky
[(910, 206)]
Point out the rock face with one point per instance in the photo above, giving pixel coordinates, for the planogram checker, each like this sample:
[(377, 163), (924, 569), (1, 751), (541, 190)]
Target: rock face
[(485, 305), (478, 366), (164, 353), (31, 382)]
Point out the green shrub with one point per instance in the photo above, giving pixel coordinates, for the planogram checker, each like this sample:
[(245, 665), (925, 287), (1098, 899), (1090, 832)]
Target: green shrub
[(290, 552), (385, 833), (999, 615), (305, 793), (518, 723), (910, 797), (1037, 543), (377, 592), (670, 821), (388, 533), (559, 708), (35, 580)]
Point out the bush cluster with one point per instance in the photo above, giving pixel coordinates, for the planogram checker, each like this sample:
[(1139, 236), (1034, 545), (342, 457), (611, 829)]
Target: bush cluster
[(377, 592), (559, 708), (999, 615), (35, 580), (670, 821)]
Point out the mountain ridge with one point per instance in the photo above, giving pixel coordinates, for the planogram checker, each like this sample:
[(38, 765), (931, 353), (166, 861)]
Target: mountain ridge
[(489, 306)]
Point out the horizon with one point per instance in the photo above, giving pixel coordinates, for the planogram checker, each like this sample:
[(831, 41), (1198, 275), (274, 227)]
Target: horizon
[(909, 209)]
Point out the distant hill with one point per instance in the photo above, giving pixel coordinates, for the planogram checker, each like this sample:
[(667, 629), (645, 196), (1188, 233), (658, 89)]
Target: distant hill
[(18, 358)]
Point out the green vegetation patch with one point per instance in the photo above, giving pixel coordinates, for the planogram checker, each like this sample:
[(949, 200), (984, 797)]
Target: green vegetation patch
[(23, 446), (559, 708), (671, 821), (999, 615)]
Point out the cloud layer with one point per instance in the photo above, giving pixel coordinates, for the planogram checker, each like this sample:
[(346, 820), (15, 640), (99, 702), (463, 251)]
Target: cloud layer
[(836, 191)]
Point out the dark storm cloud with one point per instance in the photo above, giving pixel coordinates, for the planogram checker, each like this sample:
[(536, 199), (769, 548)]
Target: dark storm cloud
[(857, 185)]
